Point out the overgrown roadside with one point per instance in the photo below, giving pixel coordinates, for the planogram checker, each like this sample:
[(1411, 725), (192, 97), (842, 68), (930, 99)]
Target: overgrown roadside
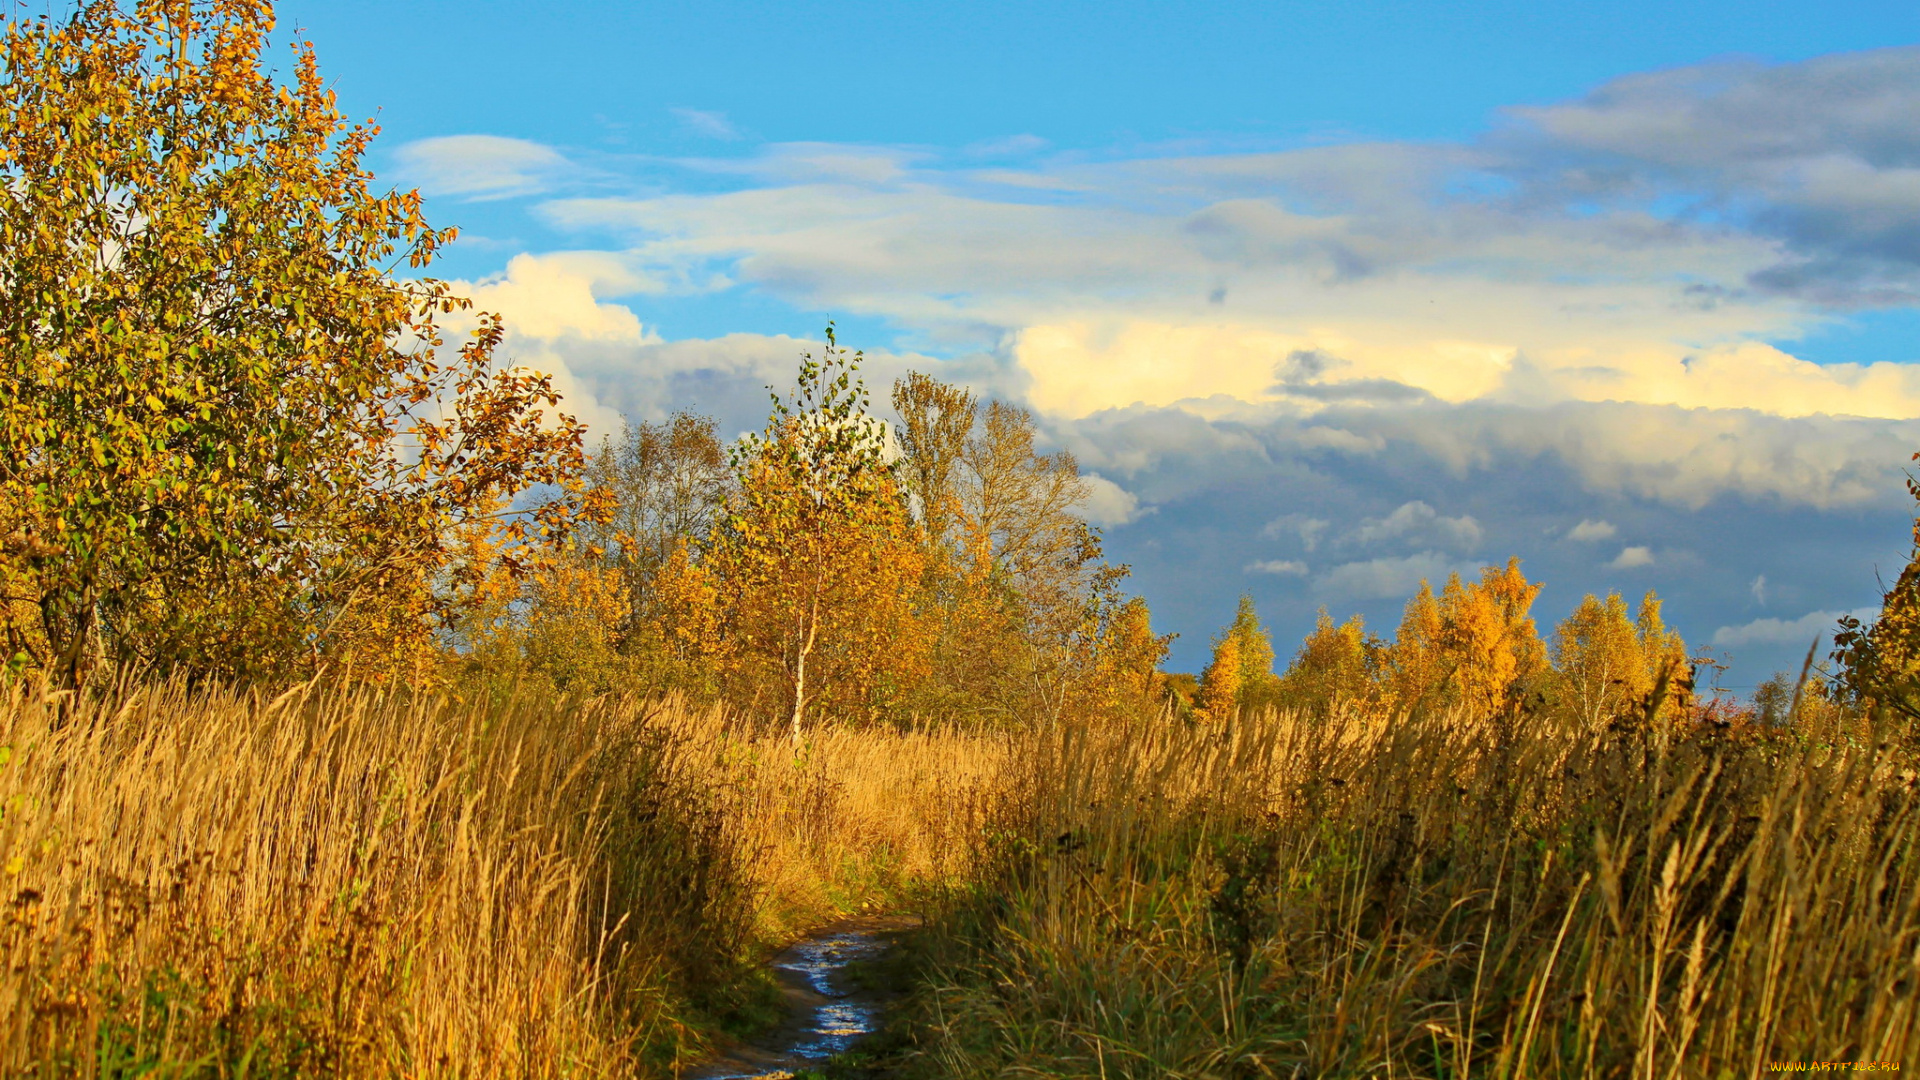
[(362, 881), (1291, 895)]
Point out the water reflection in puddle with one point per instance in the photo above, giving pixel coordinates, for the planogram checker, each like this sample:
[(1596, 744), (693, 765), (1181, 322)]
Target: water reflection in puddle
[(822, 963), (830, 1014)]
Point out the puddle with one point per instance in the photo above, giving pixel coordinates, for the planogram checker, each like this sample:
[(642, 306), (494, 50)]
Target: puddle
[(826, 1012)]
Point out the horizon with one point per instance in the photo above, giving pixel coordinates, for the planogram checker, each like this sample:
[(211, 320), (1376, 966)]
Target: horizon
[(1328, 300)]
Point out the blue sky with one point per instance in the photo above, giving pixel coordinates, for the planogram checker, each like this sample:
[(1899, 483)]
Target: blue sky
[(1329, 297)]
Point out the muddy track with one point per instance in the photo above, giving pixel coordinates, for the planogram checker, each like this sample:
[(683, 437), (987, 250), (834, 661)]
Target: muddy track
[(826, 1011)]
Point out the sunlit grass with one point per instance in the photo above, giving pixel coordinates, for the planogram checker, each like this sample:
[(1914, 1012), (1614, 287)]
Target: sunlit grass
[(1436, 897), (361, 882), (371, 883)]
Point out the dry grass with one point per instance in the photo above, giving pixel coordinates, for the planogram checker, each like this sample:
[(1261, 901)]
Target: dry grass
[(364, 883), (354, 882), (858, 819), (1436, 898)]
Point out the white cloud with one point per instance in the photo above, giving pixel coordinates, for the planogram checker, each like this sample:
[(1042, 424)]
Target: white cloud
[(707, 123), (1308, 529), (555, 321), (1759, 590), (1685, 457), (1590, 530), (1109, 296), (1107, 503), (555, 296), (1283, 567), (1798, 631), (1538, 269), (1388, 578), (1817, 154), (1632, 557), (478, 166), (1416, 520), (1517, 328)]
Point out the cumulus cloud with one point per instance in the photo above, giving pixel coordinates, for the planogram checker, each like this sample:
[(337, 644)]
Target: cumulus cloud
[(1678, 457), (1229, 487), (1540, 265), (1819, 154), (1328, 278), (1281, 567), (1589, 530), (555, 296), (1800, 631), (1686, 457), (1387, 578), (1586, 315), (479, 166), (1632, 557), (1107, 503), (555, 322), (1309, 529), (1419, 522)]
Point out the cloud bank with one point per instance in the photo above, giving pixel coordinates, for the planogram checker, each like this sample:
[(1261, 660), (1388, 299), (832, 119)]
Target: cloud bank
[(1340, 367)]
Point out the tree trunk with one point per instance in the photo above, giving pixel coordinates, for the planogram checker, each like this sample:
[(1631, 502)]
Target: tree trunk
[(799, 695), (800, 668)]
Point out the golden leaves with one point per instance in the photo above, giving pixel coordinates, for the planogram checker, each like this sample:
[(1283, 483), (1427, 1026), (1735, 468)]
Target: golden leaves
[(224, 409)]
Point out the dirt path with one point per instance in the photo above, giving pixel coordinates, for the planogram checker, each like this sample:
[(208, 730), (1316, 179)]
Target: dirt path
[(827, 1012)]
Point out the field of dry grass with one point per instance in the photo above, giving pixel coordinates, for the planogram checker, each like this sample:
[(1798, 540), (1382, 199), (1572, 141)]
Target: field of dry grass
[(350, 881), (1435, 897), (358, 882)]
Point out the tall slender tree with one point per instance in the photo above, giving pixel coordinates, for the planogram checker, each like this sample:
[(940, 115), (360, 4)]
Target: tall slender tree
[(815, 563)]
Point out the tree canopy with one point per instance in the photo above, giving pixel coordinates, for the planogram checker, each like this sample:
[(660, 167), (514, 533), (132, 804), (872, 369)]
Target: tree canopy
[(228, 420)]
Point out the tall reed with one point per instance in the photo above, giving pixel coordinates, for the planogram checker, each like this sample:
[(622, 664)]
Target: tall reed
[(1435, 897), (361, 882)]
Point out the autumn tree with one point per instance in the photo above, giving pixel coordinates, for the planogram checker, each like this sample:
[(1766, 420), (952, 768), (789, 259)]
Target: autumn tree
[(1240, 674), (1129, 653), (559, 626), (1474, 645), (1491, 636), (1878, 659), (1021, 598), (1022, 512), (666, 485), (230, 439), (815, 566), (972, 614), (1336, 663), (1597, 657), (936, 423), (1608, 664), (1220, 681), (1417, 663), (1663, 656)]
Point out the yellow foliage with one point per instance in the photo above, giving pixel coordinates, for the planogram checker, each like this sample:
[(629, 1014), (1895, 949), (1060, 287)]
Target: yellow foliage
[(816, 565), (1240, 674), (1220, 681), (1475, 645), (1336, 664), (227, 439), (1131, 653)]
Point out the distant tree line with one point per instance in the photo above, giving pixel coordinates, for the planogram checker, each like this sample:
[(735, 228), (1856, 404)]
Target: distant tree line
[(1473, 647)]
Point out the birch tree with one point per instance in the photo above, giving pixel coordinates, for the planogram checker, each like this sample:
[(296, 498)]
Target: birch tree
[(815, 566)]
